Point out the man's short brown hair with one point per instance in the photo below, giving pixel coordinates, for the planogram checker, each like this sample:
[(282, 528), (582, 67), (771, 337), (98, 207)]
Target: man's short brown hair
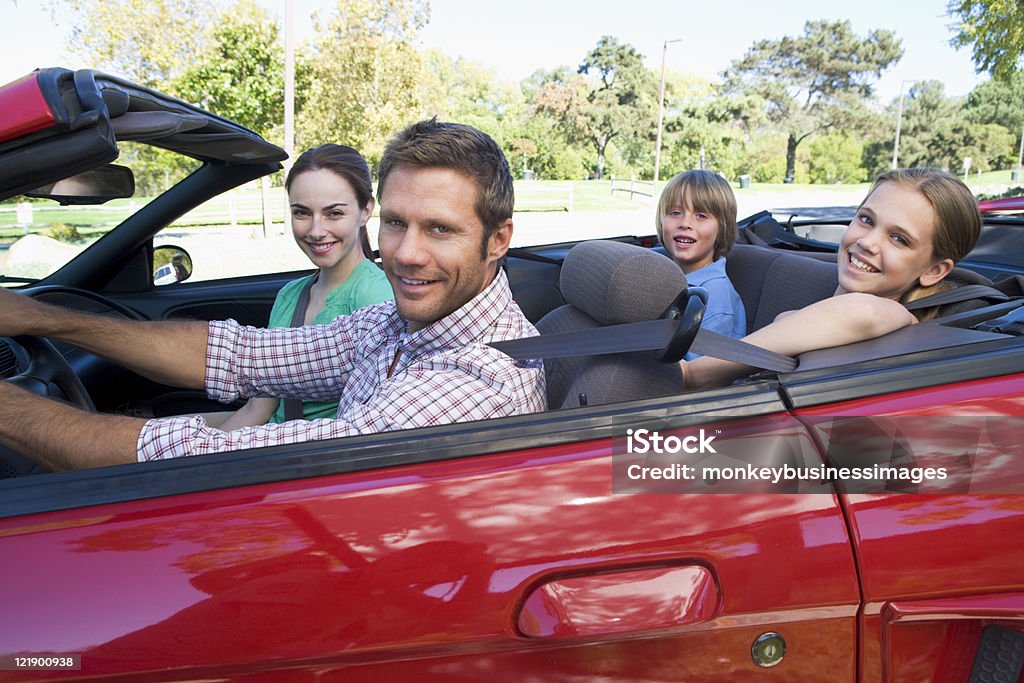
[(461, 148)]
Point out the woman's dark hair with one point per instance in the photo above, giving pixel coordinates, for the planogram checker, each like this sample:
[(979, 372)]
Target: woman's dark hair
[(346, 162)]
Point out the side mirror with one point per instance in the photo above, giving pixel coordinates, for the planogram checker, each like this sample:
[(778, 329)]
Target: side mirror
[(171, 264), (91, 187)]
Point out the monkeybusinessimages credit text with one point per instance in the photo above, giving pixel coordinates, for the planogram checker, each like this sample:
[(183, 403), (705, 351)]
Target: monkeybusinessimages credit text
[(702, 443)]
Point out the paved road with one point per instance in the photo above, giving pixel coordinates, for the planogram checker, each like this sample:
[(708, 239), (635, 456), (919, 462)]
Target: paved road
[(251, 253), (546, 228)]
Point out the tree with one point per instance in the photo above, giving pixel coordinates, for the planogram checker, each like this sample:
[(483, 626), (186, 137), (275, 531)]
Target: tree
[(994, 29), (1000, 102), (763, 163), (538, 144), (927, 128), (458, 90), (936, 132), (836, 158), (150, 42), (463, 91), (816, 81), (989, 145), (241, 74), (701, 129), (611, 96), (228, 62), (356, 84)]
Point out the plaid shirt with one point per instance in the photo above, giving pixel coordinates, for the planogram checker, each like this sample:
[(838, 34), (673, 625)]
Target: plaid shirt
[(444, 373)]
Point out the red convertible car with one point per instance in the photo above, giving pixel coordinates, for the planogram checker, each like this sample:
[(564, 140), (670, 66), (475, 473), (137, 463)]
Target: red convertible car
[(855, 514)]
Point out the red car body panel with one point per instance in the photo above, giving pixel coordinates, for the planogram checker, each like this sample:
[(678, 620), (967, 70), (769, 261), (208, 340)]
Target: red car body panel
[(426, 569), (433, 572), (25, 109), (936, 568)]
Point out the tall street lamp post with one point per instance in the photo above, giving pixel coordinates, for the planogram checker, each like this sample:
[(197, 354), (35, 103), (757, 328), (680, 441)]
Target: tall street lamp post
[(899, 123), (661, 111), (1020, 154), (289, 82)]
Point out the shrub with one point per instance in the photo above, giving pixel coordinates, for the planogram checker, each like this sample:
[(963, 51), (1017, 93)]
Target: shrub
[(836, 158), (63, 232), (770, 170), (1011, 192)]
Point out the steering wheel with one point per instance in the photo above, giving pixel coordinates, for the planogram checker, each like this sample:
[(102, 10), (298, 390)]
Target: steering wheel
[(54, 293), (47, 367)]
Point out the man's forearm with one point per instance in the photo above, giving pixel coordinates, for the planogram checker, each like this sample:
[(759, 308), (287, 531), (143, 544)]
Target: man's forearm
[(172, 353), (62, 437), (169, 352)]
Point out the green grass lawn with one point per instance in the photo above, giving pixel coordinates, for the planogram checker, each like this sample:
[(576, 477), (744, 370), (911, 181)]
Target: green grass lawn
[(243, 206), (977, 182), (579, 195)]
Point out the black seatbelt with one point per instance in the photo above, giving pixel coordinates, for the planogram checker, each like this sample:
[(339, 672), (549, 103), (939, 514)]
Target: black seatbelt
[(652, 335), (657, 334), (956, 295), (293, 406)]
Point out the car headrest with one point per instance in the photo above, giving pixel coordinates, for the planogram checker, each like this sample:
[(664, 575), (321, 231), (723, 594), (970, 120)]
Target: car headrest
[(616, 283)]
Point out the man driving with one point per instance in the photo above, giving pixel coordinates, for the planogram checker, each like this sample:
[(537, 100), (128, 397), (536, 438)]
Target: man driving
[(446, 199)]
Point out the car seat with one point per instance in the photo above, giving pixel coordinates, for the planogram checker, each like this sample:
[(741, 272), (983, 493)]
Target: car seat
[(770, 281), (611, 283)]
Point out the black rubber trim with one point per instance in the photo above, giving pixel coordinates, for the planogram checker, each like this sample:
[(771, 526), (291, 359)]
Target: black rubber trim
[(529, 255), (1000, 656), (904, 373), (67, 490)]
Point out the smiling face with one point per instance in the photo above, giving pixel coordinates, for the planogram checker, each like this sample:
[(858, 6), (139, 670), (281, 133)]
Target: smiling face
[(430, 238), (326, 219), (887, 249), (689, 235)]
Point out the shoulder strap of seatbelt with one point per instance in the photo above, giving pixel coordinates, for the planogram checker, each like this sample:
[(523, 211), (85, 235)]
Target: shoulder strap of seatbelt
[(956, 295), (293, 406)]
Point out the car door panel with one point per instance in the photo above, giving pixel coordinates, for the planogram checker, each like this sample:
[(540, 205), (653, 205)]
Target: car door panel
[(247, 300), (936, 567), (425, 569)]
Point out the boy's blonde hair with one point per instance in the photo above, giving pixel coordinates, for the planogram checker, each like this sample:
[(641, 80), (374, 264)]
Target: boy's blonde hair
[(709, 193)]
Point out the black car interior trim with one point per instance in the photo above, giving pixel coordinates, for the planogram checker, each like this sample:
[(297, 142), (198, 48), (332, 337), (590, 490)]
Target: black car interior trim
[(66, 490), (923, 370)]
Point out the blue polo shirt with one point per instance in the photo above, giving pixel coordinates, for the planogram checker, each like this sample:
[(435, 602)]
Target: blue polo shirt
[(724, 313)]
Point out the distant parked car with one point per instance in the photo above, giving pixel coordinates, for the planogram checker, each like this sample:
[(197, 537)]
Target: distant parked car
[(165, 275), (1003, 205)]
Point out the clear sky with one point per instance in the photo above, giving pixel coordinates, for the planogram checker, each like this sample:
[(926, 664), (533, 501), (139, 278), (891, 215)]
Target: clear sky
[(516, 37)]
